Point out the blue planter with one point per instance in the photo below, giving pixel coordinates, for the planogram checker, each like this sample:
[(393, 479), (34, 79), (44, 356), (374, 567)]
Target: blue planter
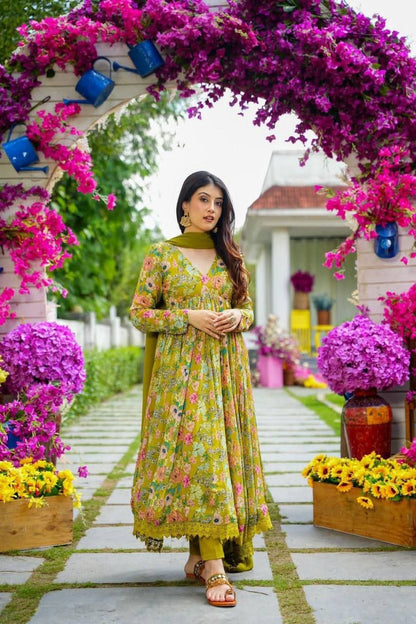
[(12, 440), (145, 57), (386, 245)]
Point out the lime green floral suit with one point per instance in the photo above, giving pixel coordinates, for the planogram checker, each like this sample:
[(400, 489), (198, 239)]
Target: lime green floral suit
[(198, 471)]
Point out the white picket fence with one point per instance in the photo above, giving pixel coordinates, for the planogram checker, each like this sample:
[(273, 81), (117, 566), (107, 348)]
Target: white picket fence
[(106, 334)]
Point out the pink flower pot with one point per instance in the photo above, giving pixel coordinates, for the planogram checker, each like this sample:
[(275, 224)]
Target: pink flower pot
[(271, 371)]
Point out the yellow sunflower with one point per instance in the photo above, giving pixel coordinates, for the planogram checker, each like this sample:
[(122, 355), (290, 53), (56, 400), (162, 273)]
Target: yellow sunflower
[(344, 486), (365, 502)]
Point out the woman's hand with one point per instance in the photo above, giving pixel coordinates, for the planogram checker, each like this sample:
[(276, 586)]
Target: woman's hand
[(228, 320), (205, 320)]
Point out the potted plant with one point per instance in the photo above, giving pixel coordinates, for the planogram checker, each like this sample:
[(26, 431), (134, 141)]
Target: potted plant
[(372, 497), (34, 494), (302, 282), (278, 352), (361, 357), (323, 304)]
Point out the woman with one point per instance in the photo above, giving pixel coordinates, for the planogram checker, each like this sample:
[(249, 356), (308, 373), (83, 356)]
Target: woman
[(198, 471)]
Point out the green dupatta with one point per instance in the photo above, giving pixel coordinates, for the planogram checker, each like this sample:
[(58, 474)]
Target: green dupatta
[(237, 557)]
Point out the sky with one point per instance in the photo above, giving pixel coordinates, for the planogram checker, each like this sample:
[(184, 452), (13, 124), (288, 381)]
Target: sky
[(231, 147)]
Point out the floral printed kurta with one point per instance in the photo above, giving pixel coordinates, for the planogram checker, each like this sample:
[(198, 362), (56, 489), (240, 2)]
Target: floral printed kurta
[(198, 471)]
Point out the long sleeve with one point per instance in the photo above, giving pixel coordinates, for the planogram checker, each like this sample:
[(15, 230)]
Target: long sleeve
[(144, 313), (247, 315)]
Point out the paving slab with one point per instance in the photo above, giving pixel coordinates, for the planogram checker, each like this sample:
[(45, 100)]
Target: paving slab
[(154, 605), (293, 494), (119, 497), (5, 598), (311, 449), (360, 566), (143, 567), (304, 457), (287, 438), (114, 514), (343, 604), (17, 570), (288, 479), (296, 513), (103, 468), (309, 536), (75, 458), (92, 481), (283, 467)]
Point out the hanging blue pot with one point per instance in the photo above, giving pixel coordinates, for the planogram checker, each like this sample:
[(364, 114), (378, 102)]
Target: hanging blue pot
[(21, 152), (12, 440), (386, 245), (145, 57), (94, 86)]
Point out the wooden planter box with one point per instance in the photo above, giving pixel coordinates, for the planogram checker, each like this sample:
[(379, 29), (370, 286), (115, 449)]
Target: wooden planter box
[(22, 527), (389, 521)]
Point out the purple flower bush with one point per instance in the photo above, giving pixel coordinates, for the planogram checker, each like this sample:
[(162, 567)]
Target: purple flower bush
[(361, 354), (43, 353), (302, 281)]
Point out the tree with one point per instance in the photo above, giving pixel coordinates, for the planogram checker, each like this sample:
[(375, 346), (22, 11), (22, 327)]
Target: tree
[(104, 267), (18, 12)]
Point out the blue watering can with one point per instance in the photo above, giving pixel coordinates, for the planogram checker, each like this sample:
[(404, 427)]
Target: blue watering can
[(145, 57), (386, 245), (94, 86), (21, 152)]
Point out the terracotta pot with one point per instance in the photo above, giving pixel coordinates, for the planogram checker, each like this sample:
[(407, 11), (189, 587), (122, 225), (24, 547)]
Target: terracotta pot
[(288, 377), (323, 317), (301, 300), (366, 424)]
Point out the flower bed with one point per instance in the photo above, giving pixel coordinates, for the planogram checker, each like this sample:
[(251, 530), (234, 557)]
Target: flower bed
[(371, 497)]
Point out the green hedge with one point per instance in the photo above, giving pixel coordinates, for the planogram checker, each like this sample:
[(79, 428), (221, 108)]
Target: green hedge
[(108, 373)]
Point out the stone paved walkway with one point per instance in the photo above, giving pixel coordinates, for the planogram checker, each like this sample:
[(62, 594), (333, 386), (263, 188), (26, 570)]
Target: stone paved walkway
[(110, 579)]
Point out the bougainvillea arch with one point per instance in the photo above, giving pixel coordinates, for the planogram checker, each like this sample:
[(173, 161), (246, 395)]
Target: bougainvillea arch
[(346, 76)]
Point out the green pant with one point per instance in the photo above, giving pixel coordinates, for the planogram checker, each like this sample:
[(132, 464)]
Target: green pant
[(206, 547)]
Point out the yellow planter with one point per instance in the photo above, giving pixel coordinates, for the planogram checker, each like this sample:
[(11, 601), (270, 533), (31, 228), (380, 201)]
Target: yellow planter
[(22, 527), (393, 522)]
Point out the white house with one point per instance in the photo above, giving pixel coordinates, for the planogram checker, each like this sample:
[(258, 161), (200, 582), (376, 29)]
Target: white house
[(288, 229)]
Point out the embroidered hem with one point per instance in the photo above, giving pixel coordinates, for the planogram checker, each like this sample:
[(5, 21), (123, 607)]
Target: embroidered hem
[(143, 529)]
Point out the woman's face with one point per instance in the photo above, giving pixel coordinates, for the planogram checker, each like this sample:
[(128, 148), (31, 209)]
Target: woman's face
[(204, 208)]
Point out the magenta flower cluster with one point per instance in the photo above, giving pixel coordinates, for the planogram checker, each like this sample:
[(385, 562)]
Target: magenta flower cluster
[(302, 281), (33, 419), (361, 354), (400, 312), (386, 197), (42, 353)]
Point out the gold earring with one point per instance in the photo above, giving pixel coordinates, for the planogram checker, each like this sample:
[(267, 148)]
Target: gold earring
[(185, 221)]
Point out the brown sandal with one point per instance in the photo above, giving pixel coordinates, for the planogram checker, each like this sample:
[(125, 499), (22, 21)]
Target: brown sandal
[(196, 574), (220, 579)]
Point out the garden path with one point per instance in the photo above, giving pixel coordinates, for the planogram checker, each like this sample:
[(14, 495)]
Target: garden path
[(302, 574)]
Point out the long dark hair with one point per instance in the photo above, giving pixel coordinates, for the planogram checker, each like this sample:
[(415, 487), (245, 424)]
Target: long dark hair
[(224, 242)]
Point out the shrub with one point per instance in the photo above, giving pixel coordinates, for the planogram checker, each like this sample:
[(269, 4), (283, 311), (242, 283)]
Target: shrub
[(107, 373)]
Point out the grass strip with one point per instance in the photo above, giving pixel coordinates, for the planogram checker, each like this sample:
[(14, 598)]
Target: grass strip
[(327, 414)]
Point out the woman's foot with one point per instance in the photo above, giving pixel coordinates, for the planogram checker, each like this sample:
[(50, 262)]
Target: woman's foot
[(190, 571), (218, 593)]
